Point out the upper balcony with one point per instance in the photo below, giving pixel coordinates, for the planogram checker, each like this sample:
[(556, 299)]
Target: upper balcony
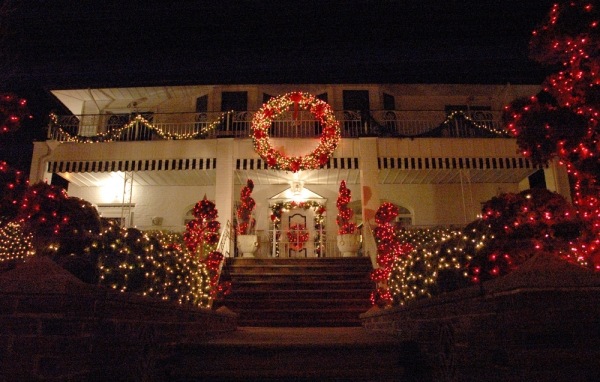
[(353, 124)]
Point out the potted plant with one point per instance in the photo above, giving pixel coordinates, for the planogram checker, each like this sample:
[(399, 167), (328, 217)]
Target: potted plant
[(247, 242), (348, 239)]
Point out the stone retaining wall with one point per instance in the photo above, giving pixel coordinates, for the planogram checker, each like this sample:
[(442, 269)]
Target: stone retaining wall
[(518, 329), (54, 327)]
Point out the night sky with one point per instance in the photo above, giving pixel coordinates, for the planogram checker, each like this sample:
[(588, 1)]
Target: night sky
[(79, 44)]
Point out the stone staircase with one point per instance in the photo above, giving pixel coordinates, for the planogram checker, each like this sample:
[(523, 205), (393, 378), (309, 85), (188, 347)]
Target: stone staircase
[(299, 292)]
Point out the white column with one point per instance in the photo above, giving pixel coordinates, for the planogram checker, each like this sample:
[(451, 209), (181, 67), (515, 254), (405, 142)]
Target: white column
[(39, 161), (224, 181), (369, 182), (557, 179)]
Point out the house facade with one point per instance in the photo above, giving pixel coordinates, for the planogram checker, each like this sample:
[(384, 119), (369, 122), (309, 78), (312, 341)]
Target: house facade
[(146, 155)]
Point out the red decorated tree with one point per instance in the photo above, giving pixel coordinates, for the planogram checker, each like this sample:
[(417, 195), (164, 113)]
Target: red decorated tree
[(245, 220), (562, 121), (201, 238), (517, 226), (345, 214), (389, 248), (13, 185), (202, 233), (13, 110)]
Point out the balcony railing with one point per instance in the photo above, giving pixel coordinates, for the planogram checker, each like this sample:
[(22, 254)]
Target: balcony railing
[(353, 124)]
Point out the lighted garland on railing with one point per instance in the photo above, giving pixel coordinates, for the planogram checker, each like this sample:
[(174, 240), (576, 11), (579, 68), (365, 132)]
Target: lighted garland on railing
[(261, 123), (458, 113), (278, 208), (114, 135)]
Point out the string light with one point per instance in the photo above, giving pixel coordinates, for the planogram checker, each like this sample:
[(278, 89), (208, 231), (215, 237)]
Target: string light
[(15, 245)]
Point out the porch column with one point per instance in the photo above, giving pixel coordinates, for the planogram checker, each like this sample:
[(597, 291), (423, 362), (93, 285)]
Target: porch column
[(557, 179), (224, 181), (39, 161), (369, 190)]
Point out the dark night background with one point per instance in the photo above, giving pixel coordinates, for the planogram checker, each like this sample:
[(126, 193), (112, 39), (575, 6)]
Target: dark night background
[(86, 44)]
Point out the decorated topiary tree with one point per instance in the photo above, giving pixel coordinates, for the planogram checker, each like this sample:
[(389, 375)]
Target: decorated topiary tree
[(562, 121), (245, 220), (201, 238), (389, 249), (345, 214)]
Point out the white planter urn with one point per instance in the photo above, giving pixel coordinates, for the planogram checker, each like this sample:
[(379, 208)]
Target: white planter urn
[(247, 245), (348, 244)]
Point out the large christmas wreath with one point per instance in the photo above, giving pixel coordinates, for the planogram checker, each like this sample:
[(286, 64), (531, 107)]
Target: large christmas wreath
[(330, 137)]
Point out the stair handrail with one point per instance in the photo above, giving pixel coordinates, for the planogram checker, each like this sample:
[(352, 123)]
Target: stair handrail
[(224, 244), (224, 247), (369, 244)]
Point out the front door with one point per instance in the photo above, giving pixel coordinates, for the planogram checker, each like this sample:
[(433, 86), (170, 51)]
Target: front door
[(297, 233)]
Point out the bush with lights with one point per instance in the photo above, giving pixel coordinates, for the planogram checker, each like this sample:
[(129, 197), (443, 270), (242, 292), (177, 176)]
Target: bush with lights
[(345, 214), (517, 226), (562, 121), (245, 220), (434, 265), (154, 264)]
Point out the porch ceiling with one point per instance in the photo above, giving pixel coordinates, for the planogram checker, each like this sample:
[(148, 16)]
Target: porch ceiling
[(325, 176)]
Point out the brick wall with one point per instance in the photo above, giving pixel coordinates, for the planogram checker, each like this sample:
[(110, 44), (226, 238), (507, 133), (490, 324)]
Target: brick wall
[(54, 327), (542, 323)]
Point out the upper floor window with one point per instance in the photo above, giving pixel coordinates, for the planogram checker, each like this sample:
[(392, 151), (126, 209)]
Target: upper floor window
[(236, 101)]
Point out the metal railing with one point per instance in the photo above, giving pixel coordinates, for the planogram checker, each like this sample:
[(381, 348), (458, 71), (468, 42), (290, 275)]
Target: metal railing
[(392, 123)]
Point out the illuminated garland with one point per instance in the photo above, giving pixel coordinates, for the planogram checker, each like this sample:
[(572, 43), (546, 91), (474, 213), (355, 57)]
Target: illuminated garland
[(114, 134), (458, 113), (297, 236), (261, 123), (278, 208)]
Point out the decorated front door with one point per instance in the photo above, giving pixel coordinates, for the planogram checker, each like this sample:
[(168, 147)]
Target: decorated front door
[(297, 234)]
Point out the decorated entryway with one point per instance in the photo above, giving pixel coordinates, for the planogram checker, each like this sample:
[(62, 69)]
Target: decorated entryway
[(297, 227)]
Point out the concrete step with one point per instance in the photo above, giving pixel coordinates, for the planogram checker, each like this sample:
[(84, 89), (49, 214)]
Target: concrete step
[(284, 354)]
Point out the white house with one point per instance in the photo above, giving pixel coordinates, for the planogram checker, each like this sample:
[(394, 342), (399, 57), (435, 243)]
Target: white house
[(146, 155)]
